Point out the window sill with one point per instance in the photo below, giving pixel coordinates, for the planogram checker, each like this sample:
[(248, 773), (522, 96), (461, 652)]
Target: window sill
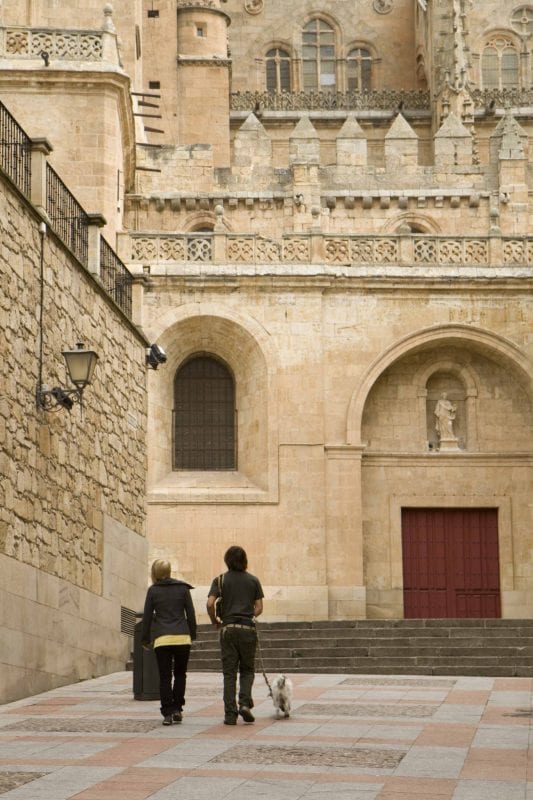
[(220, 486)]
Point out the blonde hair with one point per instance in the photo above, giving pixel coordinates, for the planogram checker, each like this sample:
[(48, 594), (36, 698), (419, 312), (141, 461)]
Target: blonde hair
[(160, 569)]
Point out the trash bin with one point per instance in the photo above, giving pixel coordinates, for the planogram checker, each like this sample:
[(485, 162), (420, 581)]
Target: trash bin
[(145, 671)]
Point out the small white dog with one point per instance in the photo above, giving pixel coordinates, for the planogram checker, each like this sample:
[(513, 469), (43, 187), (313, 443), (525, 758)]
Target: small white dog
[(282, 695)]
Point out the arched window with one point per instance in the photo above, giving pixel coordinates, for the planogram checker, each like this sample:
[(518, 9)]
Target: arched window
[(318, 53), (500, 64), (359, 69), (204, 416), (278, 70)]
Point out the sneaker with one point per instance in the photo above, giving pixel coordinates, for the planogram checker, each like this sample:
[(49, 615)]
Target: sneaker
[(167, 720), (230, 720), (246, 714), (177, 716)]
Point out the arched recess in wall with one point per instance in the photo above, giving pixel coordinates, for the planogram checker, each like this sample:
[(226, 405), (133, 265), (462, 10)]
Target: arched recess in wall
[(459, 340), (202, 221), (411, 222), (460, 382), (241, 343)]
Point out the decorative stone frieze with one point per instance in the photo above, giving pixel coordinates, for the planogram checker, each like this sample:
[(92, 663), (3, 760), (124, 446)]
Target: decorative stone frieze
[(467, 251), (64, 45), (385, 100)]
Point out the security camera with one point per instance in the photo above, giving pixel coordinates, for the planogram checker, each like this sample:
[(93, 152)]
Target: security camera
[(155, 355)]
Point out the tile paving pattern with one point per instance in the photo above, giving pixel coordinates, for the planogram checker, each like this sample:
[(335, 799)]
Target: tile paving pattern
[(10, 780), (69, 725), (371, 710), (312, 756), (353, 737)]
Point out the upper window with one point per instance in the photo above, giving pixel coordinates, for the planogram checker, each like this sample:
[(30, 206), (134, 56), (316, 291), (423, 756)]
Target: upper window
[(204, 416), (278, 70), (318, 53), (359, 68), (500, 64)]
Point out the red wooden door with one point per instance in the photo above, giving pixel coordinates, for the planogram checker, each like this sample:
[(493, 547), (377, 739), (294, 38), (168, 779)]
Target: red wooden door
[(450, 562)]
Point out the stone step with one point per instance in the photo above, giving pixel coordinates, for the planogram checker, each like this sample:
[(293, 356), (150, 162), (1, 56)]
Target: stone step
[(434, 647), (392, 644)]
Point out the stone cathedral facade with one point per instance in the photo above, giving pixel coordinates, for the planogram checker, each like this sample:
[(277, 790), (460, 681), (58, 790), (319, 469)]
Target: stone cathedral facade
[(326, 207)]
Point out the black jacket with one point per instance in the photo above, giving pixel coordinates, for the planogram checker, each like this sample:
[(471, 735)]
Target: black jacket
[(168, 610)]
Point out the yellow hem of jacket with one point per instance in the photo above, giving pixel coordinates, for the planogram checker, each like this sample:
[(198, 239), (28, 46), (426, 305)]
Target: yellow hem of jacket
[(163, 641)]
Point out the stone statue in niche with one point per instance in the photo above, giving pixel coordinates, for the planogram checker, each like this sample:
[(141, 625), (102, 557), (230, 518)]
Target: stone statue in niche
[(445, 412)]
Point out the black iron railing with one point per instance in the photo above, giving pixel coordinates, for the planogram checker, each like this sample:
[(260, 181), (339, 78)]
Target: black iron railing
[(115, 277), (15, 151), (67, 217)]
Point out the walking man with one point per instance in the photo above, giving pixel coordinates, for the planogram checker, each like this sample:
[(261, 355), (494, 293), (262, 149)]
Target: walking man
[(242, 601)]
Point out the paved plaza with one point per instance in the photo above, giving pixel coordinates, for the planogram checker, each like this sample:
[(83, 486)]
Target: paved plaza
[(349, 737)]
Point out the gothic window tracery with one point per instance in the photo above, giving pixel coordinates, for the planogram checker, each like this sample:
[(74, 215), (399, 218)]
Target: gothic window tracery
[(359, 69), (278, 70), (318, 56), (500, 64)]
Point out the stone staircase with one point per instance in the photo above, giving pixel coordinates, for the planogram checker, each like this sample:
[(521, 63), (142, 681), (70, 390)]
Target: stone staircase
[(491, 647)]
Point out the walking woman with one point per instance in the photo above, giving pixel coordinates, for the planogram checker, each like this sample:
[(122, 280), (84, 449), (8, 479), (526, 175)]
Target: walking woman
[(169, 625)]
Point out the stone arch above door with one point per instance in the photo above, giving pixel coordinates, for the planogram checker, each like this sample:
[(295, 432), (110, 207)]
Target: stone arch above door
[(491, 345)]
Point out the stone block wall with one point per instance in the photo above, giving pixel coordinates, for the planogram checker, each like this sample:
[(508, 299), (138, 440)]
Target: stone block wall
[(325, 543), (72, 515)]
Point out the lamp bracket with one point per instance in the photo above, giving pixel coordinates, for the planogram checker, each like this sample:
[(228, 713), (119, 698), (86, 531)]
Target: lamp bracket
[(57, 398)]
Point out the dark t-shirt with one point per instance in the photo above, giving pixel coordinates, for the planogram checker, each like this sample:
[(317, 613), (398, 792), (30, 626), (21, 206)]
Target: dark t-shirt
[(240, 590)]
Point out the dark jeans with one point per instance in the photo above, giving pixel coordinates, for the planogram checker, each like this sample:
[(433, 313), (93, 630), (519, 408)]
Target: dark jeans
[(237, 650), (172, 660)]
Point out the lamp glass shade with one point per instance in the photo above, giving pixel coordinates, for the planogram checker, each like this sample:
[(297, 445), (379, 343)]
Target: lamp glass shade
[(80, 365)]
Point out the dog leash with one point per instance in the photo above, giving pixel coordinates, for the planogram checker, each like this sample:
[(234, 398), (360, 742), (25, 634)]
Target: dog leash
[(260, 654)]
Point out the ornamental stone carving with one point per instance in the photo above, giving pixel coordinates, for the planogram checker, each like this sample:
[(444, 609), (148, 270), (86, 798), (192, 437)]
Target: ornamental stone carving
[(384, 99), (63, 45), (254, 6), (383, 6), (196, 4)]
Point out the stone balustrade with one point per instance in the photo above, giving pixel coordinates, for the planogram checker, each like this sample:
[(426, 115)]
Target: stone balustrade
[(68, 45), (317, 248), (384, 99)]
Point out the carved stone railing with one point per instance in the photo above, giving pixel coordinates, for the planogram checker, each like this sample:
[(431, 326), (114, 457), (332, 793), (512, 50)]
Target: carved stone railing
[(315, 248), (257, 249), (441, 250), (518, 251), (172, 247), (68, 45), (385, 99), (506, 98)]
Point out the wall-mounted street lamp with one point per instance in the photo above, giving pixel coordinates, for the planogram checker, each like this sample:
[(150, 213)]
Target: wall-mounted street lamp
[(80, 365)]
